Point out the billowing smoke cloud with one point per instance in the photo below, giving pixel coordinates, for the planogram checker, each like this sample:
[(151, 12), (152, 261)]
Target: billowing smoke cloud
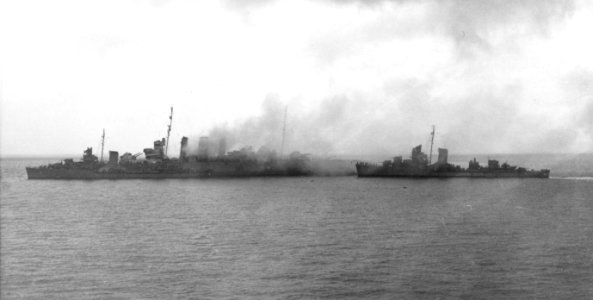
[(485, 121), (317, 130), (579, 87), (485, 115)]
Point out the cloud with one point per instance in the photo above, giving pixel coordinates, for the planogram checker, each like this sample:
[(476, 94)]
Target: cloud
[(473, 26), (485, 119), (579, 87), (358, 76), (244, 6)]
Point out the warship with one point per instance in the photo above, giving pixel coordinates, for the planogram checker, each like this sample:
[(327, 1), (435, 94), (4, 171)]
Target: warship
[(420, 165), (211, 160)]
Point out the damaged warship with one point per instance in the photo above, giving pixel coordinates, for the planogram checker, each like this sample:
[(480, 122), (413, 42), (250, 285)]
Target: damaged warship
[(420, 165), (242, 163), (210, 160)]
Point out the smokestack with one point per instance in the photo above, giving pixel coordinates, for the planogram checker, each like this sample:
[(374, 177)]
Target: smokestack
[(203, 148), (222, 147), (416, 151), (443, 154), (113, 157), (182, 155)]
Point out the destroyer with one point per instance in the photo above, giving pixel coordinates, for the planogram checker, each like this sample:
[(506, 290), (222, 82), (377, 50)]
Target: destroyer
[(210, 160), (420, 165), (157, 165)]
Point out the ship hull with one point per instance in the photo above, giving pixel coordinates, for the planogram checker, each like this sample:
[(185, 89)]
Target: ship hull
[(89, 175), (377, 171), (205, 170)]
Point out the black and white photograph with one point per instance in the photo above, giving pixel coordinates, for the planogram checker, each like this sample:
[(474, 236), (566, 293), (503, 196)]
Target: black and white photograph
[(275, 149)]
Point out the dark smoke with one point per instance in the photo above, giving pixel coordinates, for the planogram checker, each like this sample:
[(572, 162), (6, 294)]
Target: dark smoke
[(486, 120)]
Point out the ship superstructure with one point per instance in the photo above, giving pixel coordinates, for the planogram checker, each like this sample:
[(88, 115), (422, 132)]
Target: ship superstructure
[(210, 159)]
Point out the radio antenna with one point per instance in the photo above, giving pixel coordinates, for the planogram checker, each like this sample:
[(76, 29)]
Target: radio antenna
[(169, 130)]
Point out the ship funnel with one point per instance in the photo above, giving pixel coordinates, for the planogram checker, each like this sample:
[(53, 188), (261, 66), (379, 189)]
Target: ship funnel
[(182, 155), (443, 155), (113, 157)]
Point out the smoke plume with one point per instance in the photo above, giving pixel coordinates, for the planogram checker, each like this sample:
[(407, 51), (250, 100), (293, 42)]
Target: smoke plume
[(475, 107), (483, 121)]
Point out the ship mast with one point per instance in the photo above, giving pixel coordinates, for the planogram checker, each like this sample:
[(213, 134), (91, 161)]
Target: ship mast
[(283, 132), (102, 144), (431, 142), (169, 130)]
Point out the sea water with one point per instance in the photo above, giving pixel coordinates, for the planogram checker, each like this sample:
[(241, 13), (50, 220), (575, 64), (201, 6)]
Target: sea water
[(296, 238)]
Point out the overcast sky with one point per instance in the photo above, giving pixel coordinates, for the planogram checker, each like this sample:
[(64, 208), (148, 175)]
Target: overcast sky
[(358, 77)]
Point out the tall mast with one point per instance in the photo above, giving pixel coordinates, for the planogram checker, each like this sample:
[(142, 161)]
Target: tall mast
[(169, 130), (431, 142), (102, 144), (283, 131)]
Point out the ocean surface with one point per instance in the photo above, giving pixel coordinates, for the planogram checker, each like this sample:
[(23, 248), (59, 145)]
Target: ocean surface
[(299, 238)]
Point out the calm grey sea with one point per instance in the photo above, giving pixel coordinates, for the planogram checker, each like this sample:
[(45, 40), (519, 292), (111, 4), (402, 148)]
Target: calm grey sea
[(296, 238)]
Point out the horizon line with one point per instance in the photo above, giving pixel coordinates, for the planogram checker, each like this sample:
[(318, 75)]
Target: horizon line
[(67, 156)]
